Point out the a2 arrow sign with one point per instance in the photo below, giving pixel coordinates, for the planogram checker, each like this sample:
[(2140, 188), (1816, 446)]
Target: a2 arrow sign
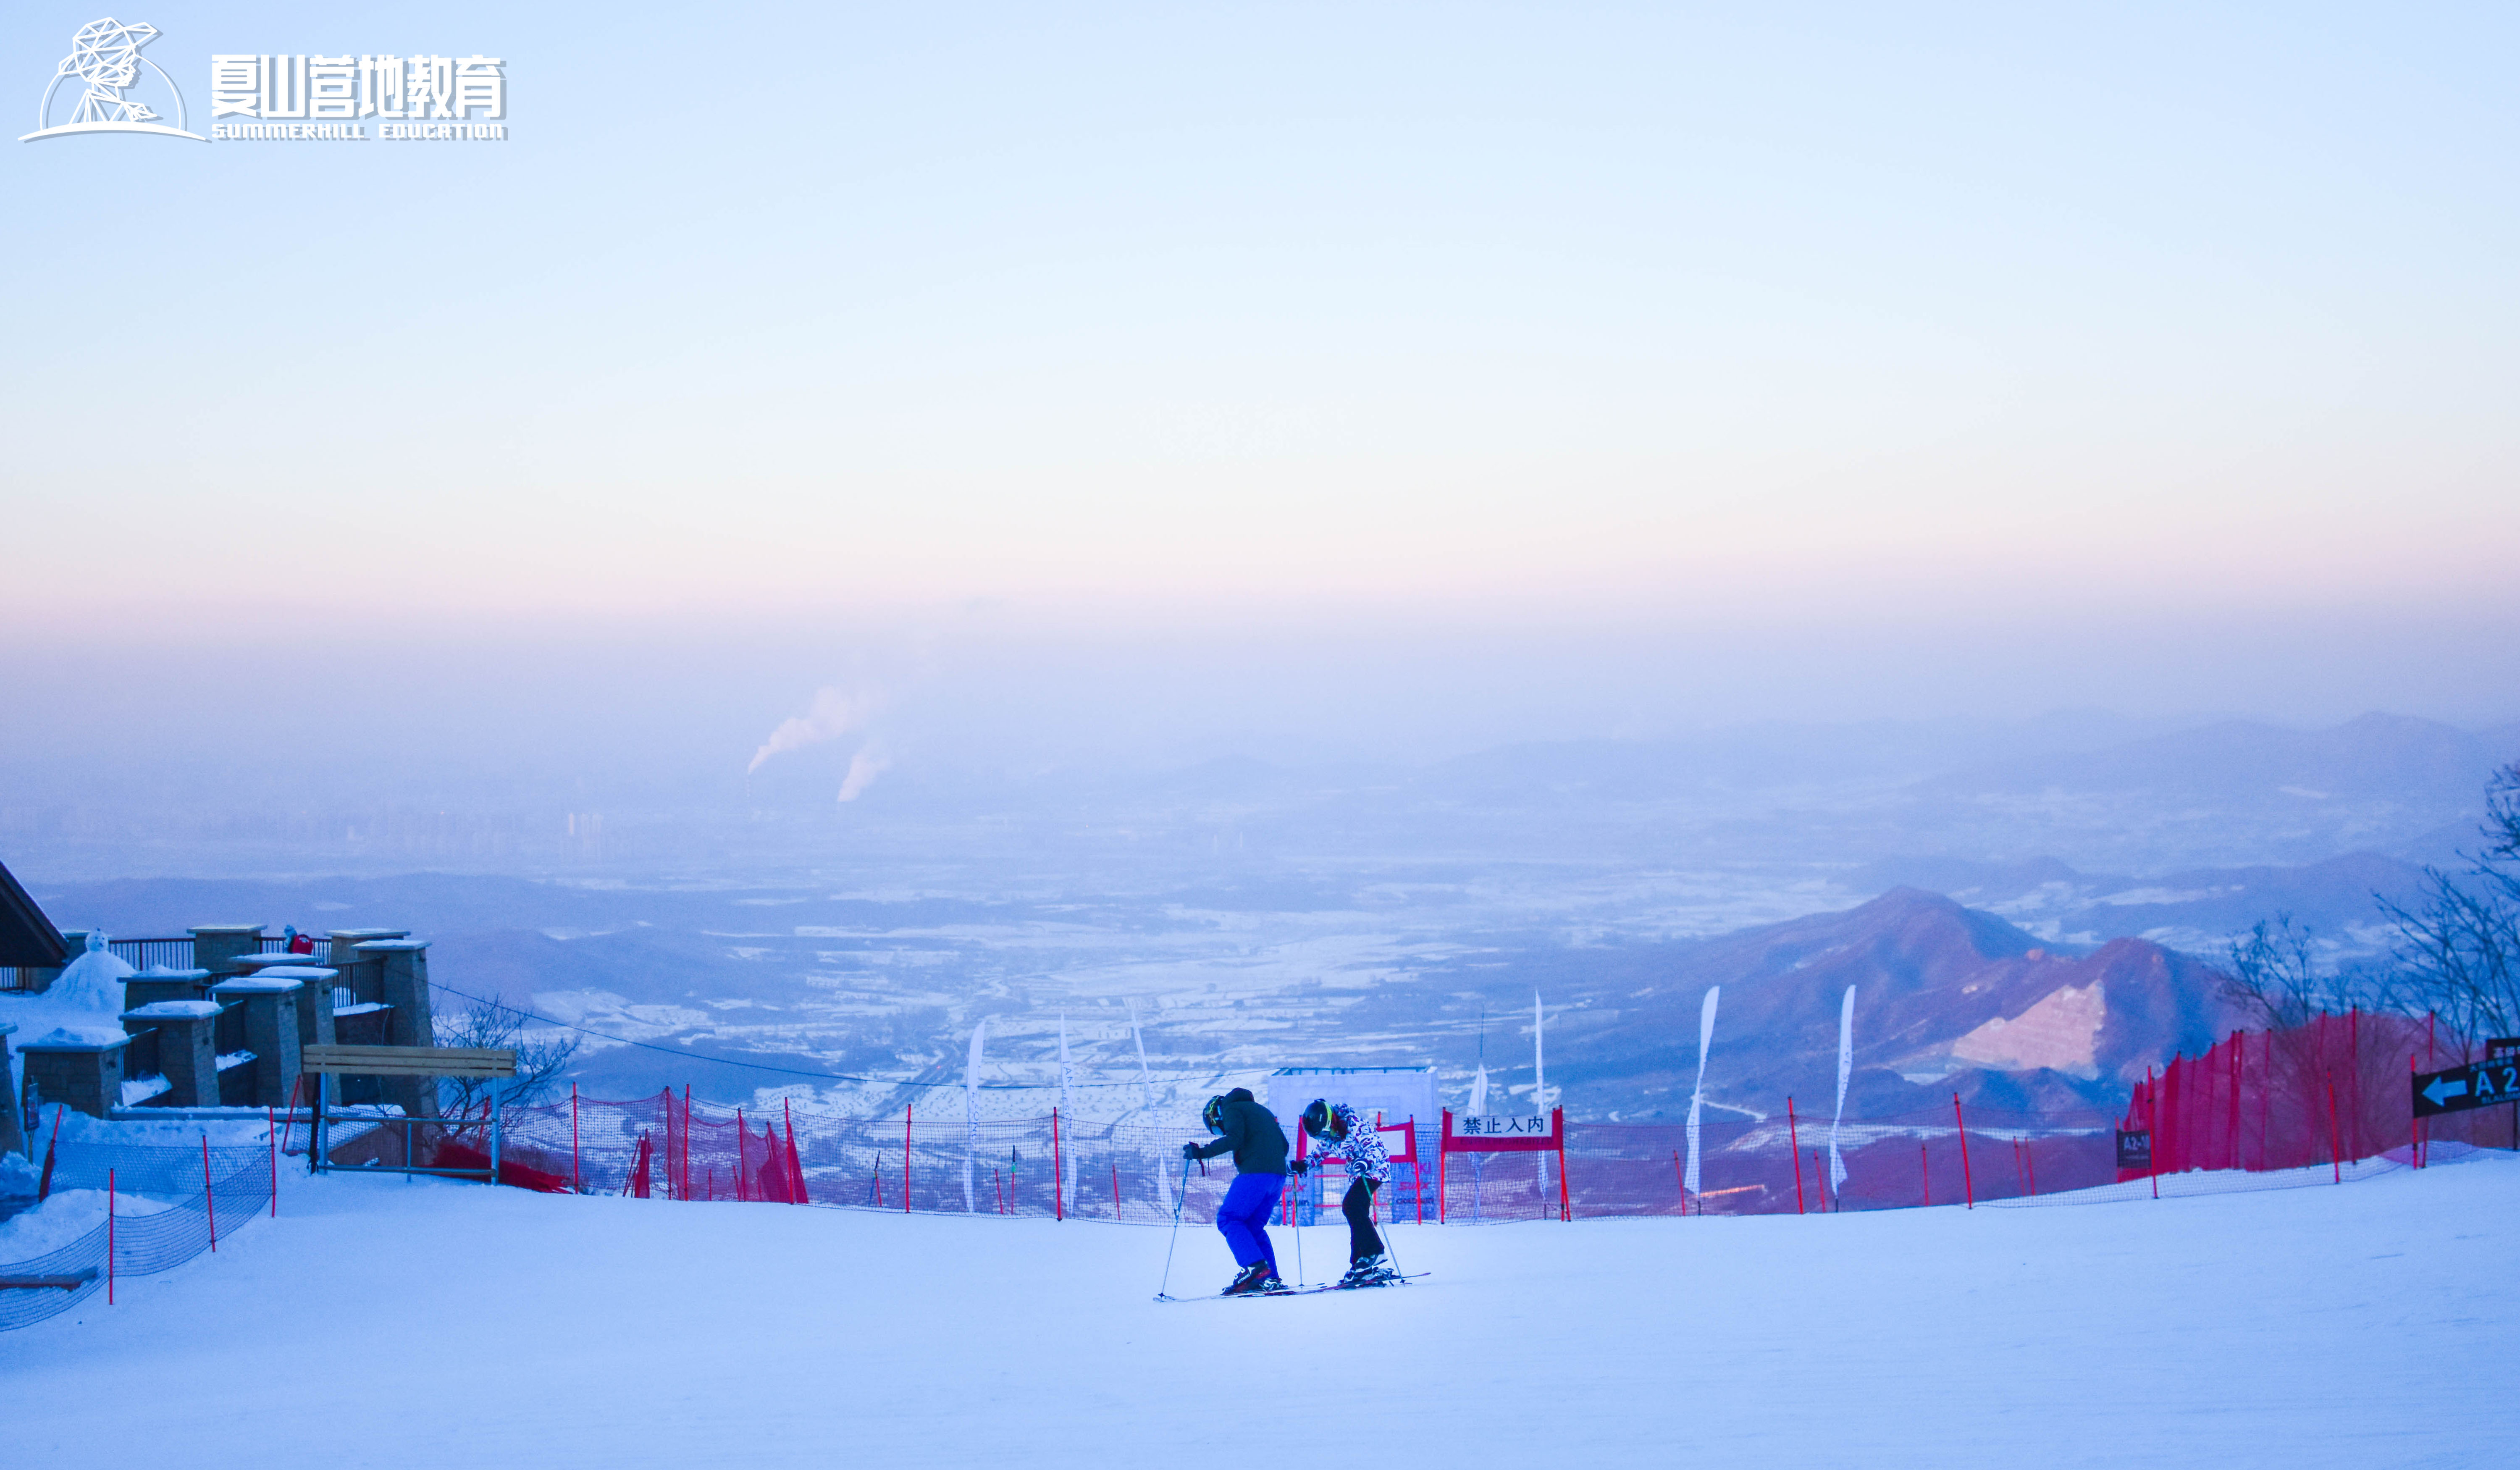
[(2456, 1090)]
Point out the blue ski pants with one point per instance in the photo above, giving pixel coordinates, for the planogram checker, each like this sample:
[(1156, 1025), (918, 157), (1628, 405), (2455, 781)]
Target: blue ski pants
[(1243, 1217)]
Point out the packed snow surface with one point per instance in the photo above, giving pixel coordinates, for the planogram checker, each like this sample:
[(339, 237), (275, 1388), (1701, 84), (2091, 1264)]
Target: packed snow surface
[(2359, 1325)]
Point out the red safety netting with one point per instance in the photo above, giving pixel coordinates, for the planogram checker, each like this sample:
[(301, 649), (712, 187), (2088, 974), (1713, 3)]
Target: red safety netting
[(2256, 1102), (2331, 1091)]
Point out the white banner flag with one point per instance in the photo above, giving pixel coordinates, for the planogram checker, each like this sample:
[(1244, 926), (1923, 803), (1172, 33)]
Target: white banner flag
[(1845, 1070), (1697, 1098), (1539, 1089)]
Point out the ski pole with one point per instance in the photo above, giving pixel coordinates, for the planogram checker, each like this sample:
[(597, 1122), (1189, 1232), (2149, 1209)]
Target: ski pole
[(1178, 1201), (1387, 1235)]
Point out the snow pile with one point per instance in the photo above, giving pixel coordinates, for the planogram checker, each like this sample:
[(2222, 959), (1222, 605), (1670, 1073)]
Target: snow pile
[(92, 982), (608, 1333)]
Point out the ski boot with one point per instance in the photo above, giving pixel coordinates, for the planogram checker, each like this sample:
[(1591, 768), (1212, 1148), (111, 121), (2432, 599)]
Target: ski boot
[(1247, 1281), (1270, 1285), (1372, 1270)]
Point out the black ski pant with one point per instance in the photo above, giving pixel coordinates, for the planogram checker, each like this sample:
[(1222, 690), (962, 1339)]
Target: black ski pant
[(1363, 1239)]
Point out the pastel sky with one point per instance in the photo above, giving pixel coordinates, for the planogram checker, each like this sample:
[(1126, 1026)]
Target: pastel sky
[(2159, 349)]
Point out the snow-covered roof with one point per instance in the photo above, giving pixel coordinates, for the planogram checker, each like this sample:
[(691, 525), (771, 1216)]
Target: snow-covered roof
[(174, 1010), (297, 973), (77, 1037), (393, 945), (168, 972), (268, 983)]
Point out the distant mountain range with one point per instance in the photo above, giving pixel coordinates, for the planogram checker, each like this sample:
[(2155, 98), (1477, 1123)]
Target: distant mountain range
[(1948, 1000)]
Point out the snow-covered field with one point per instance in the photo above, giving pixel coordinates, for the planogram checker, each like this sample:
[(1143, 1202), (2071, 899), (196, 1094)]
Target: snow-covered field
[(386, 1322)]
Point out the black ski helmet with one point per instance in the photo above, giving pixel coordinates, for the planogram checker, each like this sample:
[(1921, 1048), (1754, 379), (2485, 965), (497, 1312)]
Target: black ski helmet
[(1213, 1115), (1322, 1121)]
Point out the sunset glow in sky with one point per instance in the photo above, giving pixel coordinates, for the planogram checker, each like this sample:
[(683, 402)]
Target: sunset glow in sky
[(2112, 338)]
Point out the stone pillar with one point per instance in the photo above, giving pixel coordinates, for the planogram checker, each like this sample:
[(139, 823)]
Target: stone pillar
[(187, 1052), (314, 1017), (13, 1138), (269, 1002), (157, 982), (346, 943), (405, 987), (216, 946), (363, 975), (79, 1066)]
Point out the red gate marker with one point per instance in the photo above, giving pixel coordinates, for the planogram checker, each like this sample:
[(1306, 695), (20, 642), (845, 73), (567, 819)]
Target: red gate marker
[(1968, 1184), (1794, 1146)]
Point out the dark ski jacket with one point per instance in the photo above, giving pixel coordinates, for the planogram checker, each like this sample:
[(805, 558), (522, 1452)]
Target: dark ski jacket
[(1251, 1133)]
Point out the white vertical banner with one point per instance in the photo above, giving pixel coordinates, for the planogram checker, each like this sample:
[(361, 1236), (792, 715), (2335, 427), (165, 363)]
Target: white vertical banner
[(1539, 1093), (971, 1116), (1479, 1092), (1845, 1070), (1147, 1103), (1697, 1097), (1066, 1111)]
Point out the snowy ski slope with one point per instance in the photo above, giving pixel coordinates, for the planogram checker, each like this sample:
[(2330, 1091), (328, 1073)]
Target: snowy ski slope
[(385, 1323)]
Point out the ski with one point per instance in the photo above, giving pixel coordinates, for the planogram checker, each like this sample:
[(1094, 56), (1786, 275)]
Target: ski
[(1298, 1291)]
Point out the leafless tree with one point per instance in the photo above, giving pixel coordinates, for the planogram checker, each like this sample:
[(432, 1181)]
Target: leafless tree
[(2459, 941), (540, 1059), (2275, 974)]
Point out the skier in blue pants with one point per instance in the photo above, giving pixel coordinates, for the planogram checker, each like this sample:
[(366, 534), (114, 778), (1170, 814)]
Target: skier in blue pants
[(1250, 1133)]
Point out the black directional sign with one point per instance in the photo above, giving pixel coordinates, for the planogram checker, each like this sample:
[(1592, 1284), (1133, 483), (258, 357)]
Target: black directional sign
[(2484, 1084)]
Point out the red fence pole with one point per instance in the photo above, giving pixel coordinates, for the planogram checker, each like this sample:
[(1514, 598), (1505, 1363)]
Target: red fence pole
[(575, 1177), (904, 1157), (1968, 1184), (1794, 1146), (272, 1138), (1680, 1181), (294, 1089), (1115, 1193), (1443, 1166), (999, 1174), (1566, 1196), (1924, 1171), (2335, 1138), (742, 1142), (109, 1237), (2152, 1135), (209, 1203), (2414, 1130), (1058, 1201)]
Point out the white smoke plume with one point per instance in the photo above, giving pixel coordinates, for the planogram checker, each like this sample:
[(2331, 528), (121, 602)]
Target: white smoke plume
[(834, 714), (864, 768)]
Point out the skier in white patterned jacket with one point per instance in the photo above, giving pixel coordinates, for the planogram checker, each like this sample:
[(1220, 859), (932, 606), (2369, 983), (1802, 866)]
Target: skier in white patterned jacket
[(1337, 1134)]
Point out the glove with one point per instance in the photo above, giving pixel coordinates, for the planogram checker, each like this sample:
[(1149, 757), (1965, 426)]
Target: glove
[(1301, 1164), (1190, 1150)]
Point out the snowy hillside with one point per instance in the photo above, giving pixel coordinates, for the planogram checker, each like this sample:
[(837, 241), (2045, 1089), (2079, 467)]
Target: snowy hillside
[(598, 1332)]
